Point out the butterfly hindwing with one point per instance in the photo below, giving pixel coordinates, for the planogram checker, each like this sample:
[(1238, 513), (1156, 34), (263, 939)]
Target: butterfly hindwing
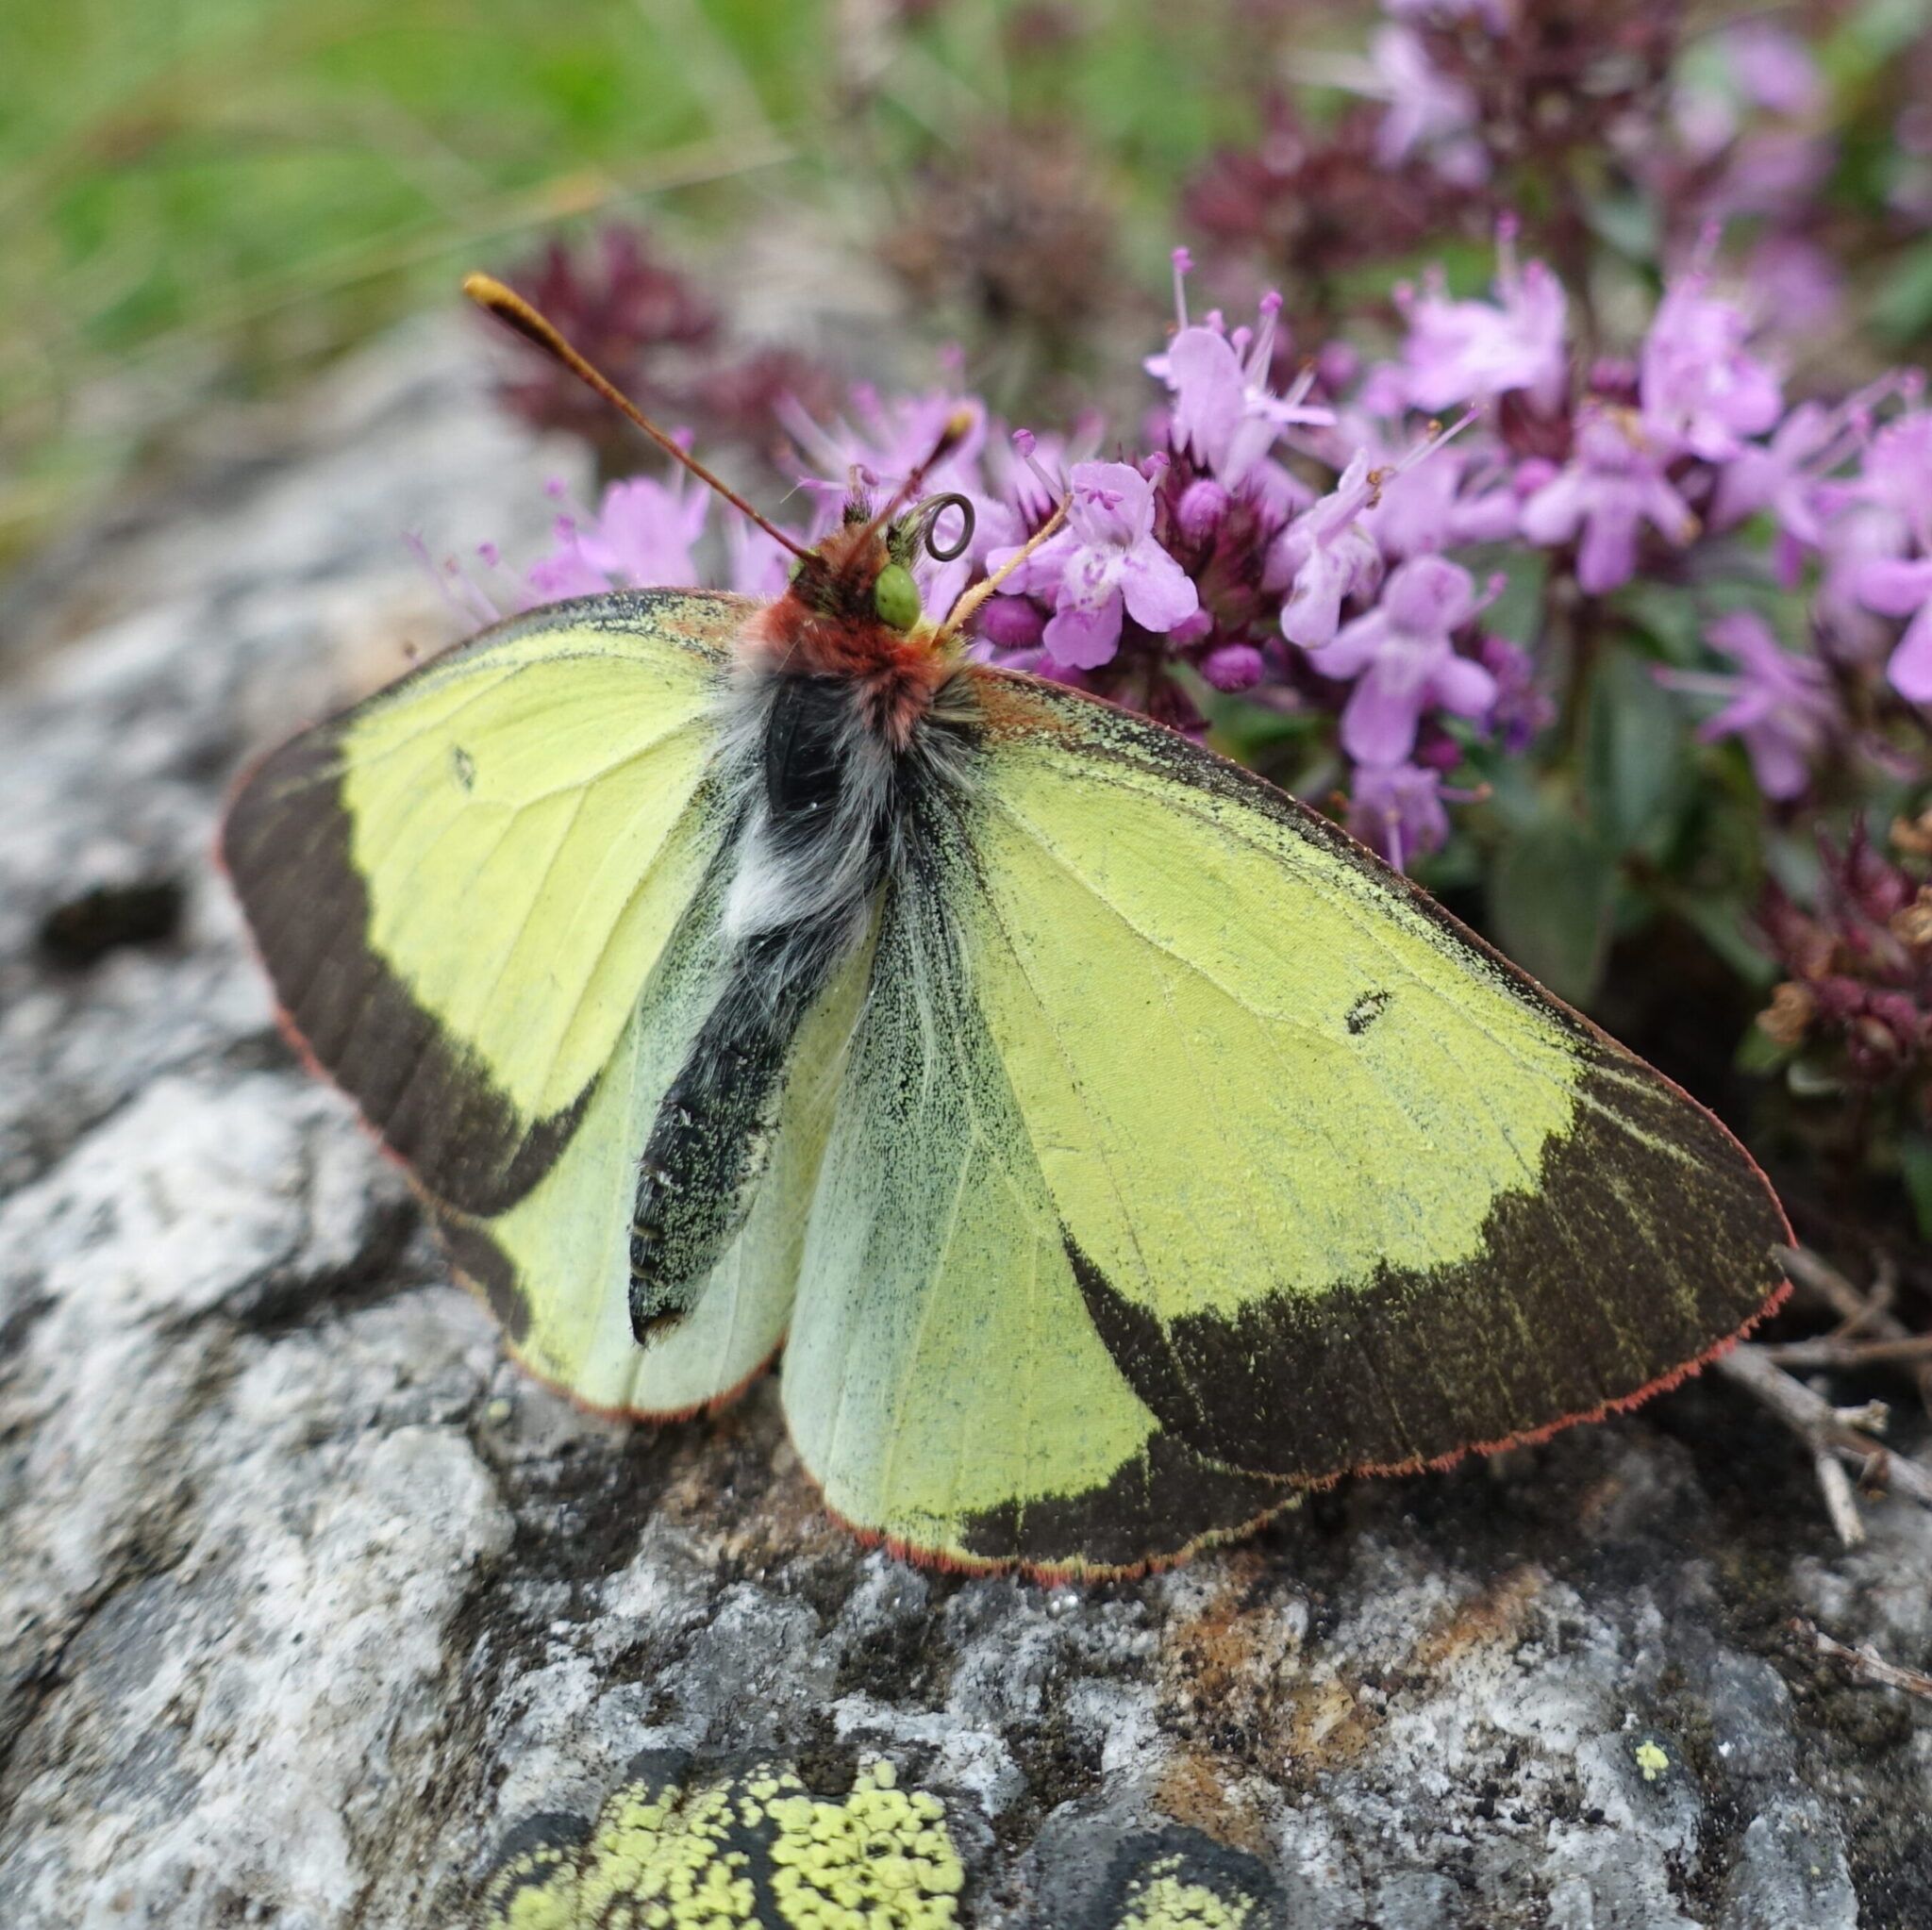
[(556, 1265), (943, 1380), (1343, 1189)]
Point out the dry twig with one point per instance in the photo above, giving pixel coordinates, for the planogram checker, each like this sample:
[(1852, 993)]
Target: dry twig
[(1859, 1314), (1834, 1351), (1835, 1436), (1865, 1663)]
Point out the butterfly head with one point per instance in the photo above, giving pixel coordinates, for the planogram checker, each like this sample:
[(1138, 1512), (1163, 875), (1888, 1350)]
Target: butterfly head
[(862, 572)]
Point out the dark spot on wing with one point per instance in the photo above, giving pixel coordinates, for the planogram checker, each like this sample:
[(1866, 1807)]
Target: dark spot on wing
[(464, 766), (1366, 1011)]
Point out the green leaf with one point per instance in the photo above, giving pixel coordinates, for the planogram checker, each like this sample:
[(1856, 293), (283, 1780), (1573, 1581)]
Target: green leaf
[(1915, 1165), (1518, 611), (1633, 750), (1902, 305), (1628, 223), (1722, 924), (1667, 616), (1759, 1052), (1550, 899)]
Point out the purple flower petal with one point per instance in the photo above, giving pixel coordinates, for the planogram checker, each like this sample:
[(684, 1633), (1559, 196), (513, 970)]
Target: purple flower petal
[(1379, 721), (1084, 638), (1895, 587), (1910, 668), (1158, 593), (1462, 685)]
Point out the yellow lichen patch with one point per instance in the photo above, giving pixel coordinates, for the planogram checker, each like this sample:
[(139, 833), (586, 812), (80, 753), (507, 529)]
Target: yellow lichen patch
[(1163, 1898), (880, 1861), (1652, 1760), (758, 1848)]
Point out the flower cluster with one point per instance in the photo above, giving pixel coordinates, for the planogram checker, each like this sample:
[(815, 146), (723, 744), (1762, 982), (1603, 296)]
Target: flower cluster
[(1321, 542), (1582, 110), (658, 337), (1858, 990)]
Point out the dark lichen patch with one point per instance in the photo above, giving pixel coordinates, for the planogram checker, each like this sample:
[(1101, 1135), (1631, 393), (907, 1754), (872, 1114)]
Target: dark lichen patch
[(581, 1512), (901, 1659), (1891, 1864), (1060, 1763), (83, 929)]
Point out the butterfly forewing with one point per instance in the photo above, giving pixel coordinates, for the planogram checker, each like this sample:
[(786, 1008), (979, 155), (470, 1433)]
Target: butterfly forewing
[(486, 900), (1345, 1190)]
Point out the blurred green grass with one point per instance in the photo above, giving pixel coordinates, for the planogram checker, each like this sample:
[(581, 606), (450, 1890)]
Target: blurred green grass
[(227, 191), (202, 197)]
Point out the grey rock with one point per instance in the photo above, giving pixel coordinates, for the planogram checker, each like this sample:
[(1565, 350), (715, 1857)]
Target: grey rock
[(310, 1605)]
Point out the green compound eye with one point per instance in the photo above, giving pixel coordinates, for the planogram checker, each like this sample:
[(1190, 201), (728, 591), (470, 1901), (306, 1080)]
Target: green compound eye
[(895, 597)]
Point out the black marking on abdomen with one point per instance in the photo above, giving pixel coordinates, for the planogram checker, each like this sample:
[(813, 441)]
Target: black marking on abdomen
[(709, 1143), (805, 740)]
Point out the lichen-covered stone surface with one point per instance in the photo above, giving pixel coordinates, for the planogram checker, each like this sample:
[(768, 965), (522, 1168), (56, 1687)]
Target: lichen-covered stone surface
[(314, 1614)]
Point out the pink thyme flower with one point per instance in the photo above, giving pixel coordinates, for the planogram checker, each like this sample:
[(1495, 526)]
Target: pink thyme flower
[(1472, 351), (1897, 472), (880, 445), (1772, 67), (641, 537), (1233, 667), (1780, 704), (1522, 707), (1402, 656), (1103, 560), (1428, 110), (1784, 476), (1397, 810), (1224, 412), (1894, 490), (1612, 485), (756, 563), (1799, 284), (1497, 16), (1900, 586), (1326, 556), (1699, 388), (1450, 500), (1848, 630)]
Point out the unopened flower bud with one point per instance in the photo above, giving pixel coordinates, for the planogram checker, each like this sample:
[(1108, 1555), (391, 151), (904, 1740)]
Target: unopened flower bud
[(1011, 623), (1789, 1015), (1874, 1044), (1202, 505), (1233, 667), (1913, 924), (1839, 998), (1913, 836)]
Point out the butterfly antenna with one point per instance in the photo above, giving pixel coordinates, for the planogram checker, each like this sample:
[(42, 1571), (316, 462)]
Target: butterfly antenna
[(970, 600), (514, 313)]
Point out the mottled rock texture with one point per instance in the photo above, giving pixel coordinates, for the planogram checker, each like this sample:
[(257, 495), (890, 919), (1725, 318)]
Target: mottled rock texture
[(314, 1614)]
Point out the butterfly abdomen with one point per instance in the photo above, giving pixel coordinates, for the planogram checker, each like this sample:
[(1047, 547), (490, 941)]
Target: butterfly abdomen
[(822, 797)]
